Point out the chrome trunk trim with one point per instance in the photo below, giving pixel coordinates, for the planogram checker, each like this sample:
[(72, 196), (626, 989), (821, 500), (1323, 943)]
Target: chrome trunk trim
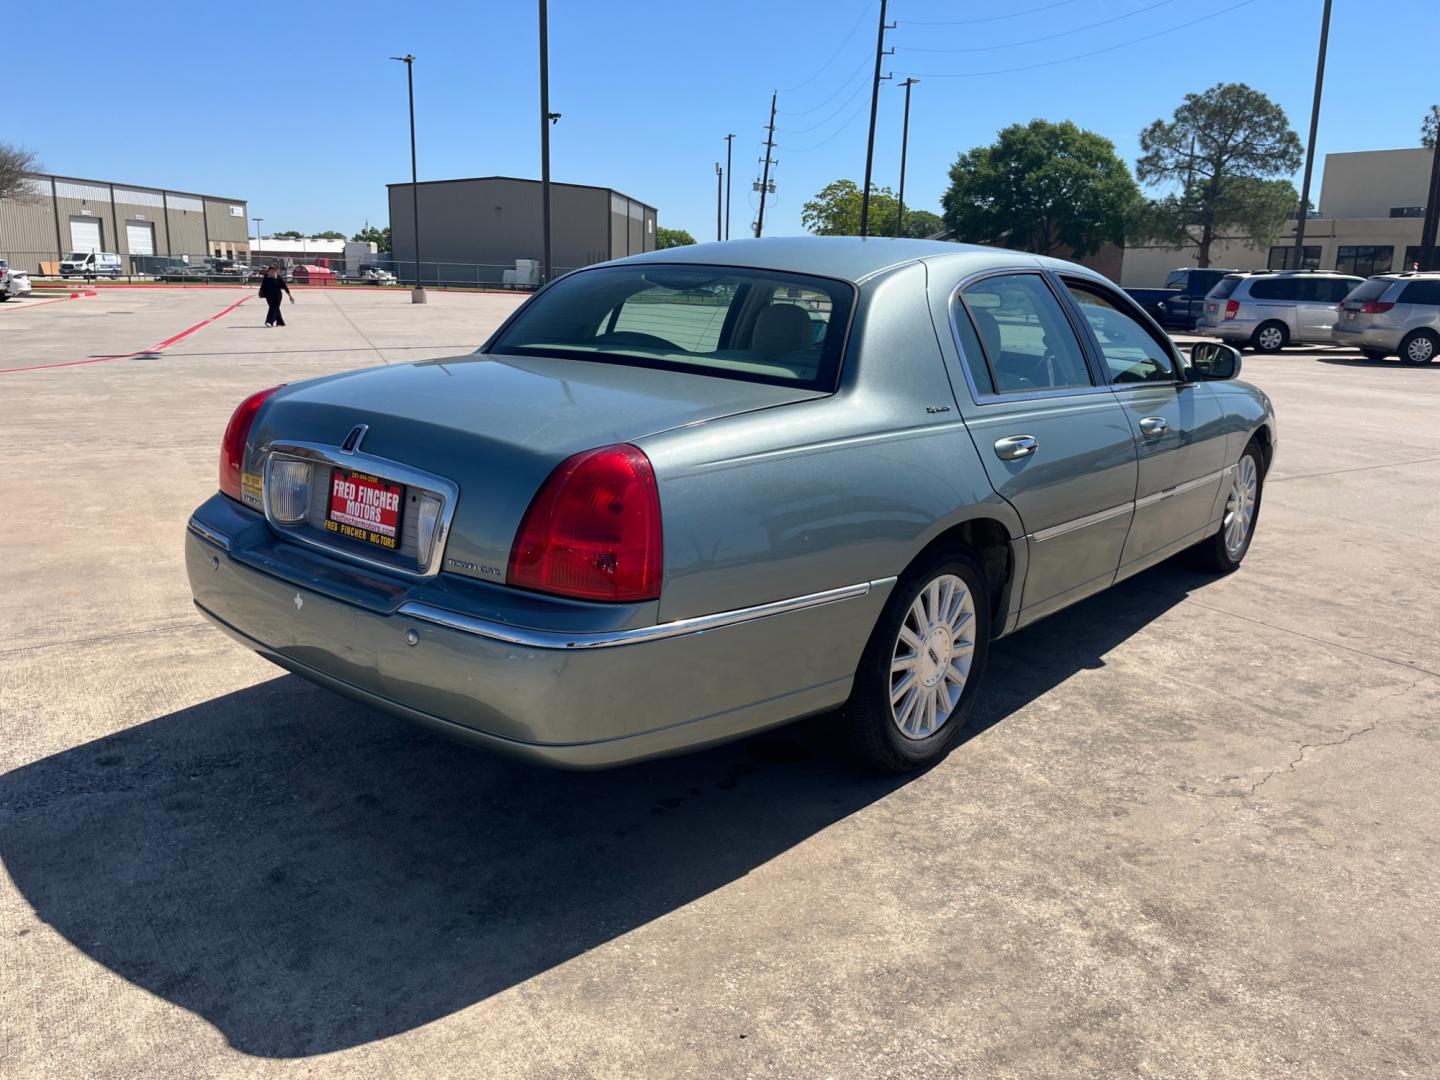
[(209, 535)]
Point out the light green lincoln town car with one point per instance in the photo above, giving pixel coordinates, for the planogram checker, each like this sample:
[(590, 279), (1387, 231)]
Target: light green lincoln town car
[(695, 493)]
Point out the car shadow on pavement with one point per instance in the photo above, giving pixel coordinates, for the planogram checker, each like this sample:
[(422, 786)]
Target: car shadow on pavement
[(1365, 362), (308, 875)]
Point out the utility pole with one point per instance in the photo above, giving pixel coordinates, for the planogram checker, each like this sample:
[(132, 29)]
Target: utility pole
[(729, 176), (880, 54), (904, 146), (765, 175), (719, 200), (546, 119), (1310, 146), (417, 294), (257, 221)]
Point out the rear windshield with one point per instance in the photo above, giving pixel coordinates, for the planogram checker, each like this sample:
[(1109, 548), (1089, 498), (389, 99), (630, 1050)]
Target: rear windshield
[(1372, 289), (758, 326), (1225, 287)]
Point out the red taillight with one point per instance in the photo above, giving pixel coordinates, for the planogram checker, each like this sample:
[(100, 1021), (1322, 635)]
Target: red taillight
[(1232, 308), (1374, 307), (232, 446), (593, 530)]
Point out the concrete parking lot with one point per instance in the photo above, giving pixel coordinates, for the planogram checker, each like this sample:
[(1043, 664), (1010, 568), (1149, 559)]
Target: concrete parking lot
[(1192, 831)]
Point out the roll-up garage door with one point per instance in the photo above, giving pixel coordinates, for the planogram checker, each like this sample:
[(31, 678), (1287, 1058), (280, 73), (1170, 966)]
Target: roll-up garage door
[(140, 237), (85, 235)]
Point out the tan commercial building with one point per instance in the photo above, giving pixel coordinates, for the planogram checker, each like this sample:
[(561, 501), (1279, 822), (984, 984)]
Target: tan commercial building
[(1372, 206), (60, 214)]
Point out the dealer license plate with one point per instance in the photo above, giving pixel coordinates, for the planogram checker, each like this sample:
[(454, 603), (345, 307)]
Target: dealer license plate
[(364, 507)]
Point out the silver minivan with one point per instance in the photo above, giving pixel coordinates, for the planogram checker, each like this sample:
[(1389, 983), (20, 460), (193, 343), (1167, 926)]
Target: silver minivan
[(1393, 313), (1268, 310)]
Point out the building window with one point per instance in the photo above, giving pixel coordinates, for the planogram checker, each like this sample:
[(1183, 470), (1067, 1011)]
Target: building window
[(1279, 257), (1364, 259)]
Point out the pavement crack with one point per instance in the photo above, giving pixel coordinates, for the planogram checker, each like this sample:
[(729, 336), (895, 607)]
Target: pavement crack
[(1305, 748)]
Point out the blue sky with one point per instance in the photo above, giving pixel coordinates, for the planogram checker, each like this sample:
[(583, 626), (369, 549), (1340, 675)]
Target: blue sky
[(295, 108)]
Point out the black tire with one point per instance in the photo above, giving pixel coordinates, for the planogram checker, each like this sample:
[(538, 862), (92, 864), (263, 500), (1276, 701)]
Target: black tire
[(874, 735), (1420, 347), (1265, 329), (1374, 354), (1213, 553)]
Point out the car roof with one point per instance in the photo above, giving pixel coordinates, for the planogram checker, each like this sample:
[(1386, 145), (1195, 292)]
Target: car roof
[(850, 258)]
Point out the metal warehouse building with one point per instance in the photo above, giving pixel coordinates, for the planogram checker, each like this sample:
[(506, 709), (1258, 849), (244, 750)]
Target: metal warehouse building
[(483, 225), (65, 213)]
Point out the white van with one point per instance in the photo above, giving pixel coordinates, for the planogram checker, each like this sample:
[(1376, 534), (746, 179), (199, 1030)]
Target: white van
[(90, 264)]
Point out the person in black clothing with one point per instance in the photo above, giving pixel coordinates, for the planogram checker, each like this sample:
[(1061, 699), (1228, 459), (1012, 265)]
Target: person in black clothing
[(271, 286)]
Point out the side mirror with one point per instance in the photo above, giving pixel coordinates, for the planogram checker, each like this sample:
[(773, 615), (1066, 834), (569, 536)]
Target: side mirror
[(1212, 360)]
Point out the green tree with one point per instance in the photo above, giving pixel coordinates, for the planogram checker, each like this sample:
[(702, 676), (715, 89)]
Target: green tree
[(668, 238), (1041, 187), (329, 234), (1227, 150), (288, 234), (16, 166), (1430, 127), (371, 235), (835, 211)]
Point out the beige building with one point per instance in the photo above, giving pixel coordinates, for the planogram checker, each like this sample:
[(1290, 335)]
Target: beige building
[(60, 214), (1372, 206)]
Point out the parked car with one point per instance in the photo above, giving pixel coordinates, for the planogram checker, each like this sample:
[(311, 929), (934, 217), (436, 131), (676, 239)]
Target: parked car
[(633, 523), (1179, 303), (90, 264), (1393, 313), (190, 272), (227, 270), (374, 275), (1267, 310), (13, 282), (155, 265)]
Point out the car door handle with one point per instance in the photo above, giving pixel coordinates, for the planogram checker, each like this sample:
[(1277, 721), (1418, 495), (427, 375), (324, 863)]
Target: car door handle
[(1016, 446), (1152, 427)]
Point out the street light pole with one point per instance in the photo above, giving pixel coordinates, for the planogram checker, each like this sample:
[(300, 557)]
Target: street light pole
[(417, 294), (719, 200), (904, 146), (729, 147), (257, 221), (546, 119), (1310, 146)]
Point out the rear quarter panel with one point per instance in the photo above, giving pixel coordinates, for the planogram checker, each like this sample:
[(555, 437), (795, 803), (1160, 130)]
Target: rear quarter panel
[(830, 492)]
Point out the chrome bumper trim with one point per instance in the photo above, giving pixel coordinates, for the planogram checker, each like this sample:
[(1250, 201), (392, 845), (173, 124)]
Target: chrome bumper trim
[(208, 534), (548, 639)]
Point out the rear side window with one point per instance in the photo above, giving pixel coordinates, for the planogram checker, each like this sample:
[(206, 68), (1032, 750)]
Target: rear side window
[(1372, 289), (757, 326), (1421, 292), (1027, 339), (1275, 289), (1226, 286)]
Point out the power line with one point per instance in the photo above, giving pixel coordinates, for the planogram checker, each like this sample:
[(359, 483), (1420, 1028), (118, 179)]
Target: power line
[(1047, 37), (838, 131), (838, 91), (1080, 56), (833, 56), (816, 127), (993, 18)]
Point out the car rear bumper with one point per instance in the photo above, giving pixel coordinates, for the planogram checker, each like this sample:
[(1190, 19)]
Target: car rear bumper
[(580, 700), (1346, 332)]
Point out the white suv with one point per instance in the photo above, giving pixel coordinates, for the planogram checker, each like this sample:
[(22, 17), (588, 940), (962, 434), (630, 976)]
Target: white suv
[(1393, 313), (1268, 310)]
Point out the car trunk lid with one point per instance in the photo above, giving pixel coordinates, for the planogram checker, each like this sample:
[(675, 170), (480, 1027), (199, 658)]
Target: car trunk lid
[(495, 426)]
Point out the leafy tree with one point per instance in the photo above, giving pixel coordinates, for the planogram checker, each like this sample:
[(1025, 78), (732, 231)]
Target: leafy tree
[(371, 235), (835, 211), (288, 234), (1041, 187), (1226, 149), (329, 234), (16, 165), (668, 238), (1430, 127)]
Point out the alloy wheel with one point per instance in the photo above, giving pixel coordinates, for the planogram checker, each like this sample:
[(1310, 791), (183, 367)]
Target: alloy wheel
[(1271, 338), (1421, 349), (1240, 505), (930, 660)]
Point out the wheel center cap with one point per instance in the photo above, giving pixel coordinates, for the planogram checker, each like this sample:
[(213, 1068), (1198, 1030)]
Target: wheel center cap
[(935, 656)]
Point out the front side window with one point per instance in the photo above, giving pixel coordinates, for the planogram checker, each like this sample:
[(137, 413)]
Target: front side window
[(1132, 354), (1028, 343), (758, 326)]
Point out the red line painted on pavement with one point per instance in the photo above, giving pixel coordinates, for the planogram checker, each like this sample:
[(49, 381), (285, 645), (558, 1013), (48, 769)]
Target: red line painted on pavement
[(138, 352), (50, 300)]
